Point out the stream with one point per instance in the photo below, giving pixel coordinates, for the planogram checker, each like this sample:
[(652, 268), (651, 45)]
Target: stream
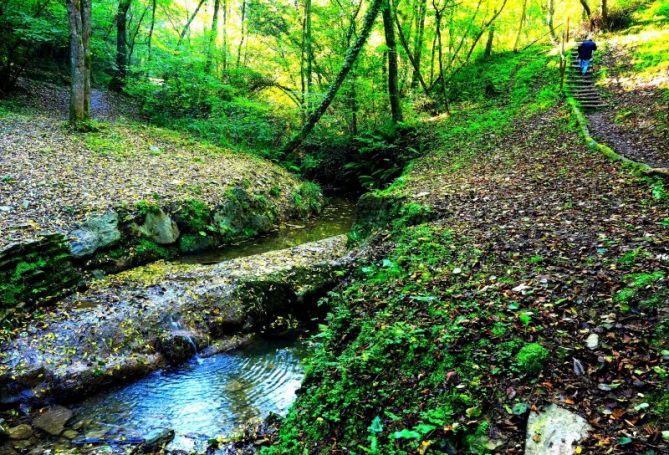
[(212, 396), (205, 398)]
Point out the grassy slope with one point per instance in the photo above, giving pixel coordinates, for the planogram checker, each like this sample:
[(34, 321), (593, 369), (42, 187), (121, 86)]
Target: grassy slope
[(441, 343)]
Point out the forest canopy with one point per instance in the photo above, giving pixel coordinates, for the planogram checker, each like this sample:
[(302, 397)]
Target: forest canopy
[(249, 73)]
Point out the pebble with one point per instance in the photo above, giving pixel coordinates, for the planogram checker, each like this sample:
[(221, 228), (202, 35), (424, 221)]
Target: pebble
[(593, 341), (23, 431)]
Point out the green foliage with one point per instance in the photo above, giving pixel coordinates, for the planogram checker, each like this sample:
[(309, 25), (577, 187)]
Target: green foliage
[(149, 250), (532, 357), (308, 199)]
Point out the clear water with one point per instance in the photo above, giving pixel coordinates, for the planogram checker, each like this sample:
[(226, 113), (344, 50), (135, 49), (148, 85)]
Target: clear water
[(214, 396), (205, 398), (335, 219)]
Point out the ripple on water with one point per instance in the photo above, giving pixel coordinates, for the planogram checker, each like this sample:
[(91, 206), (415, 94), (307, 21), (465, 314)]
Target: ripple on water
[(207, 397)]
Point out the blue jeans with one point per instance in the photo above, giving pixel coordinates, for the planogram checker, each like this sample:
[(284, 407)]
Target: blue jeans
[(584, 65)]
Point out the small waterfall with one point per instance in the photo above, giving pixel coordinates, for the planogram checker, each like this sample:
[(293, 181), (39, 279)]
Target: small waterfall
[(177, 327)]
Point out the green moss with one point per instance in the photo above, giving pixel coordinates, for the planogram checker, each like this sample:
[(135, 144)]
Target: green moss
[(150, 250), (531, 358), (195, 216), (37, 274)]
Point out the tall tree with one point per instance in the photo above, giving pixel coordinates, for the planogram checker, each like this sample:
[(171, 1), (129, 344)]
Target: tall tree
[(488, 46), (586, 9), (213, 34), (225, 35), (418, 42), (605, 12), (118, 80), (243, 34), (393, 88), (79, 18), (351, 56), (309, 53), (153, 23), (523, 16), (550, 15)]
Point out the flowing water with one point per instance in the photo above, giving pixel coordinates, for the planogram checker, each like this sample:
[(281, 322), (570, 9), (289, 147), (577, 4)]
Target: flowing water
[(335, 219), (205, 398), (214, 396)]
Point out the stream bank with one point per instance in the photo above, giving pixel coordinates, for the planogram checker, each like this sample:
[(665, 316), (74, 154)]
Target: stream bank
[(75, 206)]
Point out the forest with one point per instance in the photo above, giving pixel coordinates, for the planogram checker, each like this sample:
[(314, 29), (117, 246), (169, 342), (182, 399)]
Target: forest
[(334, 227)]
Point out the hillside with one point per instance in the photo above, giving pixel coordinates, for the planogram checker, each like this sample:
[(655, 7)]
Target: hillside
[(519, 268)]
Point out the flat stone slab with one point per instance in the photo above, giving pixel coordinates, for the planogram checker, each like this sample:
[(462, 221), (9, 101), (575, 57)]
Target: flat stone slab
[(554, 431), (53, 420), (117, 330)]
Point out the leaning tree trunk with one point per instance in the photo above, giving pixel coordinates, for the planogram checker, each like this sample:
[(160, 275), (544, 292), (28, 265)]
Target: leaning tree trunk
[(393, 89), (351, 56), (186, 28), (79, 16), (118, 81)]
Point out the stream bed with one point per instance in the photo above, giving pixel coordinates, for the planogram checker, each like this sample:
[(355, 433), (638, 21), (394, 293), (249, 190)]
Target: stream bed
[(202, 399), (213, 396)]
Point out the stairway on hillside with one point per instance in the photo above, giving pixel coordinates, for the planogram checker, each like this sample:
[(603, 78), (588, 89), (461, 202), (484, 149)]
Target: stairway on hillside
[(582, 86)]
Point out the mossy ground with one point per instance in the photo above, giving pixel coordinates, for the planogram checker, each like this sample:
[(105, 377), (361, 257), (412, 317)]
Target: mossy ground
[(444, 340)]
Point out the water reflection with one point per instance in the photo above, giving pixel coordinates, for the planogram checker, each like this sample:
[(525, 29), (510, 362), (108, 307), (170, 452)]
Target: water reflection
[(207, 397), (335, 219)]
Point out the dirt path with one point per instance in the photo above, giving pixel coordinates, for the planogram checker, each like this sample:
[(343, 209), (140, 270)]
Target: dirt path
[(635, 124)]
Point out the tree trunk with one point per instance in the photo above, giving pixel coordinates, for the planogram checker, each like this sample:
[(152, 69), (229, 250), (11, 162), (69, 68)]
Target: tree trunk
[(351, 56), (488, 45), (79, 16), (153, 23), (605, 12), (520, 26), (418, 43), (586, 9), (118, 81), (550, 13), (212, 36), (417, 75), (309, 49), (133, 39), (190, 21), (393, 89), (438, 15), (241, 41), (225, 35)]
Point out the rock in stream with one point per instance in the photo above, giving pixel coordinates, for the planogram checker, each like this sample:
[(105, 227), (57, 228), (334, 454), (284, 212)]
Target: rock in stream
[(130, 324)]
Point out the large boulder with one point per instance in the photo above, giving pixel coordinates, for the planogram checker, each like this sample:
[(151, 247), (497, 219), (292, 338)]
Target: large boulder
[(98, 232), (160, 228), (554, 431)]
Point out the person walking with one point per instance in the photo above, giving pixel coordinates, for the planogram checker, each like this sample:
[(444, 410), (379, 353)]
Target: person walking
[(585, 50)]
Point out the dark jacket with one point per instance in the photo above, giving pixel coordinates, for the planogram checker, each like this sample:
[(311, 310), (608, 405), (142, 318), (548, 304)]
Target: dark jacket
[(586, 48)]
